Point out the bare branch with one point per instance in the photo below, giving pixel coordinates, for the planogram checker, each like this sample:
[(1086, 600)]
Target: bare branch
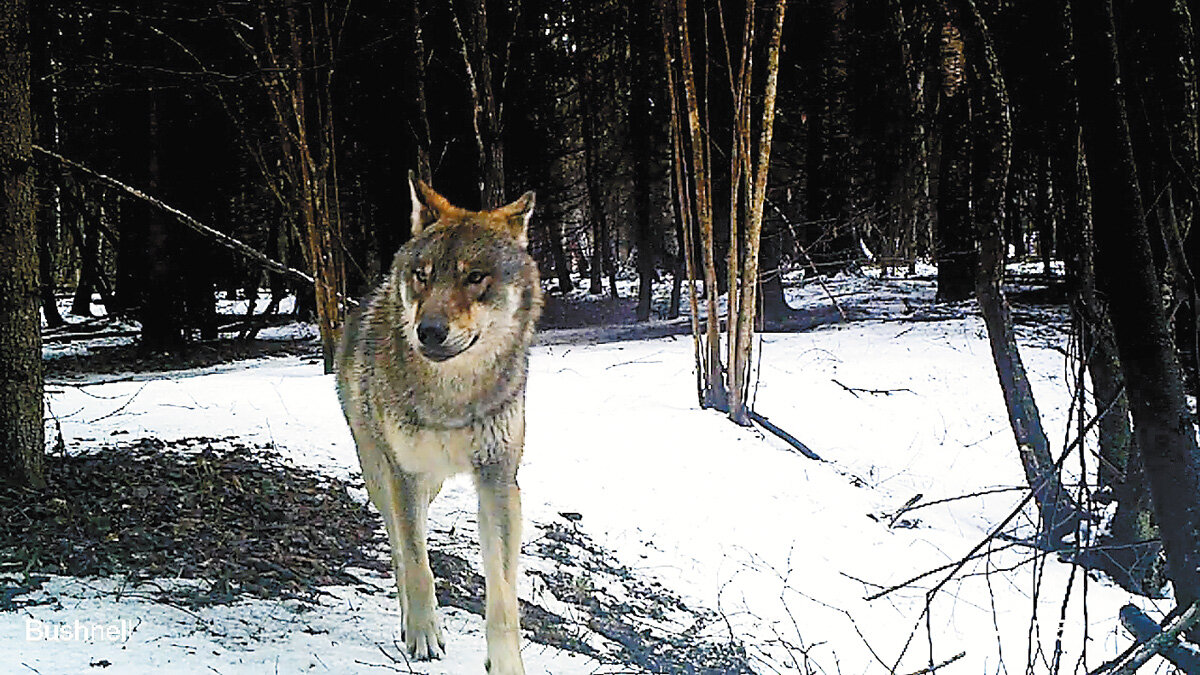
[(221, 238)]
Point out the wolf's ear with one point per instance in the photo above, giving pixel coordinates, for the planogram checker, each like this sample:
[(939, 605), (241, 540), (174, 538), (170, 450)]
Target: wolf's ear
[(516, 217), (427, 205)]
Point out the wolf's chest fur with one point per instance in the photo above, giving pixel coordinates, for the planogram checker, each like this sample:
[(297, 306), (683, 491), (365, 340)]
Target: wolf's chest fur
[(447, 451)]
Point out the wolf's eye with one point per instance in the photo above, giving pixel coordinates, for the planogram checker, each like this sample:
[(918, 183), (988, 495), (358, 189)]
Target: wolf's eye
[(476, 277), (419, 275)]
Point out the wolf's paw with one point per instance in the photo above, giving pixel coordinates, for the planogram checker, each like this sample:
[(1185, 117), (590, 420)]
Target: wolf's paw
[(423, 637), (504, 662)]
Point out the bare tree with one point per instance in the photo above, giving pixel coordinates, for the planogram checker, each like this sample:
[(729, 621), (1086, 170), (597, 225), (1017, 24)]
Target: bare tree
[(292, 51), (833, 233), (487, 114), (420, 123), (684, 204), (724, 385)]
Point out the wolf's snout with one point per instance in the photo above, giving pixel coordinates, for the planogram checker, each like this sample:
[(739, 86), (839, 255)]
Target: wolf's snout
[(432, 331)]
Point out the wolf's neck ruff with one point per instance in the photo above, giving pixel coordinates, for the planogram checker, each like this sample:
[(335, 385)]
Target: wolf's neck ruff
[(459, 392)]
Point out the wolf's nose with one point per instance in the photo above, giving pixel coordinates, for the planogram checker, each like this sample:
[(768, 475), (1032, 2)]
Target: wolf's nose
[(432, 332)]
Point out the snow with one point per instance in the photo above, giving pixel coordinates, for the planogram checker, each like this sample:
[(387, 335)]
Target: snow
[(786, 548)]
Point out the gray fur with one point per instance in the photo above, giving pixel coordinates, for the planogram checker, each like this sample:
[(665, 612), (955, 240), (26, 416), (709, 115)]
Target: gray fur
[(417, 419)]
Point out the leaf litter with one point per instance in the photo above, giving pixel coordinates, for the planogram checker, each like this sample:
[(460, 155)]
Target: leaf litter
[(243, 522)]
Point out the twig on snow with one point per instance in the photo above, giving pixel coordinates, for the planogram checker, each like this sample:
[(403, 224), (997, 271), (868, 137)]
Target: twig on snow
[(382, 665), (980, 493), (874, 392), (395, 663), (936, 667), (122, 407), (908, 505)]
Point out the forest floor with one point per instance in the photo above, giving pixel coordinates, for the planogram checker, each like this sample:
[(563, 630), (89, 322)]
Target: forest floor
[(206, 505)]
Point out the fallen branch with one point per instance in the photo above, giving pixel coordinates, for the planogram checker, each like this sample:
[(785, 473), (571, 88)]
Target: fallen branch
[(904, 509), (122, 407), (73, 337), (928, 573), (238, 247)]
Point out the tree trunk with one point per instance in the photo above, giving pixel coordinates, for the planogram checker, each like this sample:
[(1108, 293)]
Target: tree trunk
[(130, 277), (550, 217), (715, 393), (595, 197), (160, 310), (682, 202), (87, 229), (831, 151), (477, 61), (1129, 551), (47, 240), (491, 125), (647, 251), (774, 304), (914, 154), (45, 131), (310, 134), (553, 176), (1165, 433), (1170, 90), (417, 72), (957, 258), (1045, 215), (991, 164), (739, 366), (678, 270), (88, 249), (21, 432), (199, 287)]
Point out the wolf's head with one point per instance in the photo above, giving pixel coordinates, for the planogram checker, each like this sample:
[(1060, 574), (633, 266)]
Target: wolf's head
[(465, 278)]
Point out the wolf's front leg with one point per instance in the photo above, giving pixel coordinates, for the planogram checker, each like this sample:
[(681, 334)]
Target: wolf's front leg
[(422, 631), (500, 539)]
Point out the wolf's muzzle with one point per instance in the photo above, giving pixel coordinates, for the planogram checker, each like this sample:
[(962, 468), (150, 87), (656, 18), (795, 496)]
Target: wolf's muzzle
[(442, 350), (432, 332)]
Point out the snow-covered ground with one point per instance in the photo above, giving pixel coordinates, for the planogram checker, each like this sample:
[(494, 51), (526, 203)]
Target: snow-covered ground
[(787, 549)]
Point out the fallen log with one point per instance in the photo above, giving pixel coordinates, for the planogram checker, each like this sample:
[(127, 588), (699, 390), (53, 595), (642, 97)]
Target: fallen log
[(1153, 639)]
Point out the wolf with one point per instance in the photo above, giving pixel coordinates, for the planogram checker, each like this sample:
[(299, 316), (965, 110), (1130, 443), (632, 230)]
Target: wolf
[(431, 376)]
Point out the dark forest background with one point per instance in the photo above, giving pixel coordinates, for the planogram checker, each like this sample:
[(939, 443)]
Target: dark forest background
[(962, 133), (246, 115)]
